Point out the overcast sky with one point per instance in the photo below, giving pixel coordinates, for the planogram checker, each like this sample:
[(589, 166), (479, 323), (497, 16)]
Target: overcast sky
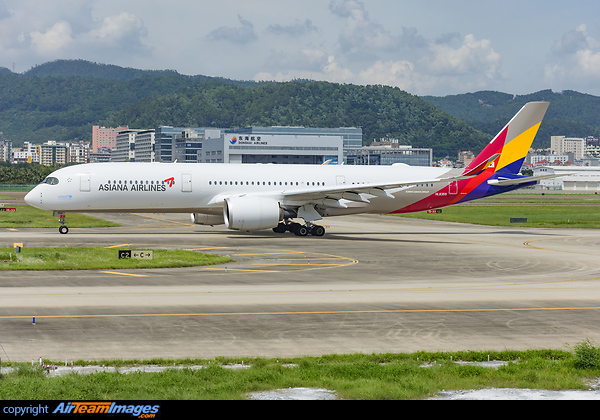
[(426, 47)]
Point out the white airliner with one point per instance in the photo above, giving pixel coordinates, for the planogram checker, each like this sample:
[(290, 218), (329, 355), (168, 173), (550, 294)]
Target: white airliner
[(254, 196)]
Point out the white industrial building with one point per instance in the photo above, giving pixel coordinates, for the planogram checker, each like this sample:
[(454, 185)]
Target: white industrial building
[(273, 148), (575, 178)]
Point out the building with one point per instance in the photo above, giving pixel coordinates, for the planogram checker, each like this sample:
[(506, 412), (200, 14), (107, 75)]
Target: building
[(52, 153), (79, 152), (103, 155), (554, 160), (29, 153), (281, 145), (384, 155), (6, 151), (261, 146), (466, 157), (180, 144), (105, 137), (125, 146), (592, 147), (144, 146), (577, 178), (561, 145)]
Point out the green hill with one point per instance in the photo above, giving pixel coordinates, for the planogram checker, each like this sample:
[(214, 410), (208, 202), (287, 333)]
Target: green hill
[(63, 99), (571, 113)]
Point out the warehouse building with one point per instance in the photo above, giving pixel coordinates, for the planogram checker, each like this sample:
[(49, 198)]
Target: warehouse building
[(576, 178)]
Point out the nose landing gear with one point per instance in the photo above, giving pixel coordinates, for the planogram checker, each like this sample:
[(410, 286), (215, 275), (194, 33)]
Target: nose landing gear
[(63, 229)]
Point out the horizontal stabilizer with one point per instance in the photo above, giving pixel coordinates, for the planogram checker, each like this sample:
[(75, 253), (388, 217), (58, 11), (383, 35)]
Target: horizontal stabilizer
[(518, 181)]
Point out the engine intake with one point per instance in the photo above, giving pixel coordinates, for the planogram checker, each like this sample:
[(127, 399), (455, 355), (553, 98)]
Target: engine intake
[(251, 213)]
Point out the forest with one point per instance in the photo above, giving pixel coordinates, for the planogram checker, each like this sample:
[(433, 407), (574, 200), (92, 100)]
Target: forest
[(63, 99)]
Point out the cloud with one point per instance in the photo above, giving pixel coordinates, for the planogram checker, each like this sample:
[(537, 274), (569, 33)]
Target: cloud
[(574, 60), (368, 53), (122, 33), (472, 57), (240, 35), (360, 36), (4, 12), (53, 41), (295, 30), (312, 59), (331, 71), (392, 73)]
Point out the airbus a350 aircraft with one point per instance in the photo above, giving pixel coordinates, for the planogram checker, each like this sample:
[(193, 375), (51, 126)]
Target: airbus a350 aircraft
[(253, 196)]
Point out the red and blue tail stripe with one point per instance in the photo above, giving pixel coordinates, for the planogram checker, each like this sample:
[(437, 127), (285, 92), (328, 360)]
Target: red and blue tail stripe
[(500, 160)]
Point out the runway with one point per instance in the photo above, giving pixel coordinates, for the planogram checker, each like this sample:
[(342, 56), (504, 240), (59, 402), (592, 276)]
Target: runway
[(372, 284)]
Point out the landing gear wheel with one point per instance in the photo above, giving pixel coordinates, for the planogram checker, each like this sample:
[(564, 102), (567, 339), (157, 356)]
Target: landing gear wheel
[(280, 228), (317, 230), (63, 229), (301, 230)]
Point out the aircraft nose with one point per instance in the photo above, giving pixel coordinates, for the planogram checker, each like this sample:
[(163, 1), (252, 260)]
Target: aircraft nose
[(30, 197)]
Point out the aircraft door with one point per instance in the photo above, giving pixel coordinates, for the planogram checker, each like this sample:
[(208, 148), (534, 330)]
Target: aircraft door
[(453, 188), (340, 180), (186, 182), (84, 182)]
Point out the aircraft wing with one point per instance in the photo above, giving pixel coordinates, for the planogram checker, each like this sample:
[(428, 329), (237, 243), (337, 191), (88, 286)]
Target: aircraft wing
[(330, 196)]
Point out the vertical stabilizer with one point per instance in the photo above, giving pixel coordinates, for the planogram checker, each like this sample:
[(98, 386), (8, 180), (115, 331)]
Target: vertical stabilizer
[(512, 143)]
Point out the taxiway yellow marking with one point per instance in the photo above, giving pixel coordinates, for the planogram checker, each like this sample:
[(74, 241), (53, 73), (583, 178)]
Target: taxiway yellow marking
[(382, 311), (273, 253), (116, 246), (13, 230), (528, 244), (240, 269), (208, 249), (164, 220), (123, 274)]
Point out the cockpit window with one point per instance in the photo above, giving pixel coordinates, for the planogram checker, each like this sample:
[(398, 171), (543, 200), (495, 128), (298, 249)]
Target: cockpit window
[(50, 180)]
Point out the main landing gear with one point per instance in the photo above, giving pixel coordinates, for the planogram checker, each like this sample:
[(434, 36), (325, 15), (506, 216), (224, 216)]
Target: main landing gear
[(299, 229), (63, 229)]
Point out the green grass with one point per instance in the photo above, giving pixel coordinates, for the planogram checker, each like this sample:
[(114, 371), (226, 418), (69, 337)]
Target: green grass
[(546, 198), (97, 258), (30, 217), (355, 376), (537, 216)]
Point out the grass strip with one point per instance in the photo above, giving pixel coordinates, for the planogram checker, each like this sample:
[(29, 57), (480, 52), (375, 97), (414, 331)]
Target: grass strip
[(30, 217), (354, 376), (537, 216), (549, 198), (98, 258)]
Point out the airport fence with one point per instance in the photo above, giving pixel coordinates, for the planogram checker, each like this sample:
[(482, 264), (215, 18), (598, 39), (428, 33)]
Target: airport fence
[(16, 187)]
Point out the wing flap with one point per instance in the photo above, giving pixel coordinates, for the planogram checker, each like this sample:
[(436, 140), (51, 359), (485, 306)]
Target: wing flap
[(356, 192)]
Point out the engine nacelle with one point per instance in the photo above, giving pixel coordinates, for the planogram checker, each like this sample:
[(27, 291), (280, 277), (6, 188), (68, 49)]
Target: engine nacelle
[(251, 213), (207, 219)]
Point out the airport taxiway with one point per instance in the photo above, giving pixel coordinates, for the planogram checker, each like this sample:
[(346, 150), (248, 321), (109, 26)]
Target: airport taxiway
[(372, 284)]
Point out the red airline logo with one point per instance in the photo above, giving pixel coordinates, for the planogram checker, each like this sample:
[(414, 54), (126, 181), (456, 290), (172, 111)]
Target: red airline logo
[(170, 181)]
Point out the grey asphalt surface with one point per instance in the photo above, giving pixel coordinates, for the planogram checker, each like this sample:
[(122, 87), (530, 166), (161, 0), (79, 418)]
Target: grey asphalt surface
[(372, 284)]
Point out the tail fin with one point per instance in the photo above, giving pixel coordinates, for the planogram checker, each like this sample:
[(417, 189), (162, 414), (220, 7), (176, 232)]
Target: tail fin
[(507, 151)]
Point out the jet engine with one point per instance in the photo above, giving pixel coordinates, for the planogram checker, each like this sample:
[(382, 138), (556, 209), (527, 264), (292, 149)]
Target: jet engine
[(207, 219), (251, 213)]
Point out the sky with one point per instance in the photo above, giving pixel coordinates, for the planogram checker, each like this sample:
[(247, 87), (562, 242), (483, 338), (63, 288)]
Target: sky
[(425, 47)]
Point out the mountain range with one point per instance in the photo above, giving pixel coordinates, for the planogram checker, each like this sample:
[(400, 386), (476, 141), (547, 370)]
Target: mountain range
[(61, 100)]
